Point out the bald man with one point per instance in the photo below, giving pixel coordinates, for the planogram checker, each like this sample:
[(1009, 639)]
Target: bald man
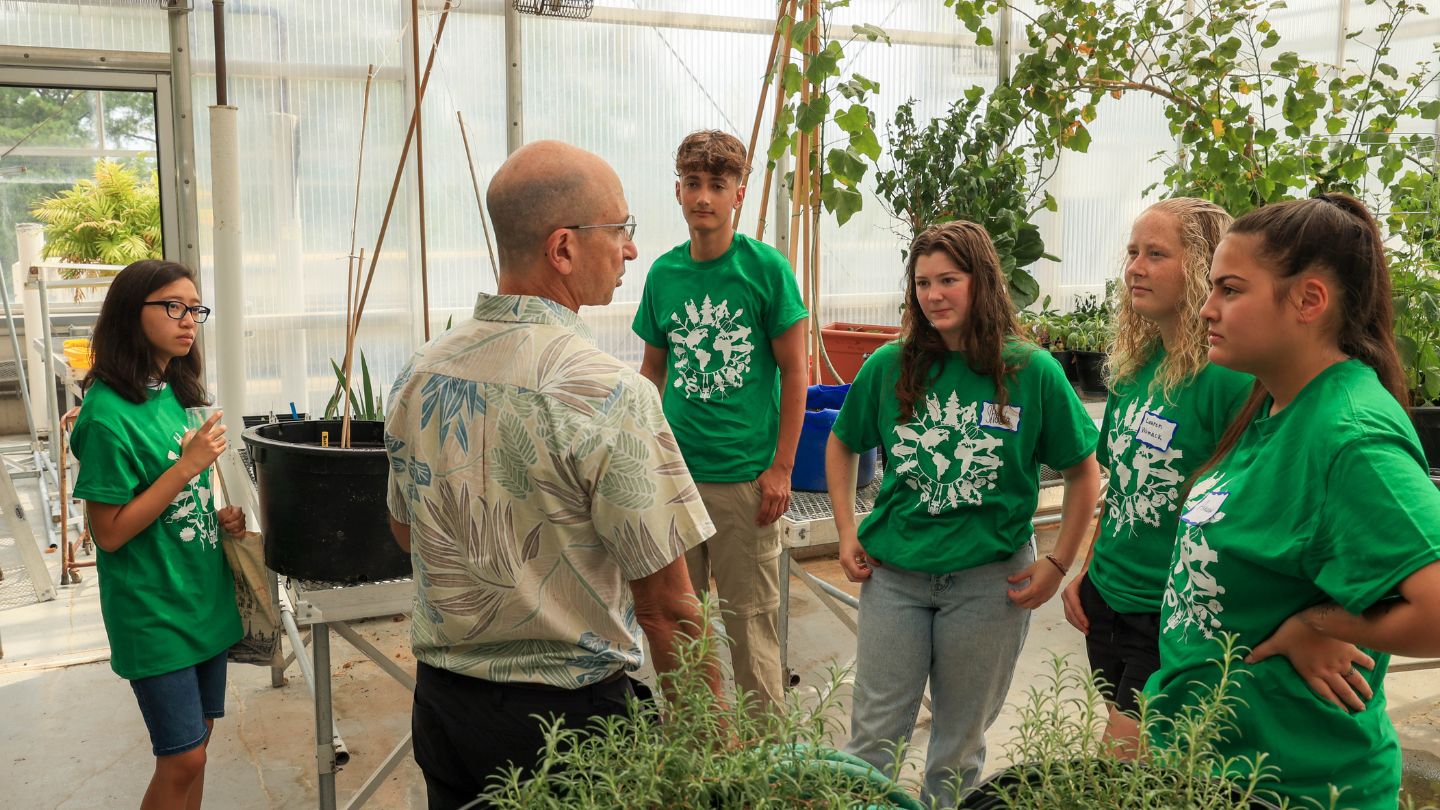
[(539, 489)]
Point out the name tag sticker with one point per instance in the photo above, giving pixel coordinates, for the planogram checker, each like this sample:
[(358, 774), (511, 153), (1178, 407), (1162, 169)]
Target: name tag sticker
[(990, 417), (1156, 432), (1206, 510)]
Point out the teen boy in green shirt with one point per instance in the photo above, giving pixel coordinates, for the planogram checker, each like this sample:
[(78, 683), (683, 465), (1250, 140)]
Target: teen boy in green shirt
[(722, 320)]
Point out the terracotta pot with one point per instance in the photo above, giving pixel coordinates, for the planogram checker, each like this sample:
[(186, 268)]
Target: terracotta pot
[(848, 344)]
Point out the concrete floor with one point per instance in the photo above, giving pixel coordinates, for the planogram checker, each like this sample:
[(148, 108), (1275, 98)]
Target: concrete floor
[(74, 737)]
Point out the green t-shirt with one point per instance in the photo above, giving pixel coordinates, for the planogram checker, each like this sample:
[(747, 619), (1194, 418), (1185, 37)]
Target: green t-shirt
[(715, 321), (167, 595), (1150, 446), (961, 483), (1327, 500)]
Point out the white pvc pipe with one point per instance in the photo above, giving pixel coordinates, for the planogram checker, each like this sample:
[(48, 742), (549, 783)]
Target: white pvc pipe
[(225, 346), (30, 238)]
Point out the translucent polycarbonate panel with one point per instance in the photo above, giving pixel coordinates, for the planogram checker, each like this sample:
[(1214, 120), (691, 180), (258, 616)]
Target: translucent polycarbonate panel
[(929, 17), (297, 74), (1099, 192), (124, 27)]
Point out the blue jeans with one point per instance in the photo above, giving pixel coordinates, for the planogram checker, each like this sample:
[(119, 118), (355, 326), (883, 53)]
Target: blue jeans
[(962, 633)]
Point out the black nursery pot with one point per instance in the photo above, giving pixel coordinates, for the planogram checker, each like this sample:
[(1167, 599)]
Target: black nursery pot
[(1427, 424), (1066, 359), (323, 508), (1090, 366), (989, 794)]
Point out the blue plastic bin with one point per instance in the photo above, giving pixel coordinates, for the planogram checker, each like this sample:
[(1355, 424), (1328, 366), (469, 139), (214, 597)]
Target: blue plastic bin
[(822, 405)]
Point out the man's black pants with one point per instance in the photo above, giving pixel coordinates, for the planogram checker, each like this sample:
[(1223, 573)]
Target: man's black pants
[(467, 730)]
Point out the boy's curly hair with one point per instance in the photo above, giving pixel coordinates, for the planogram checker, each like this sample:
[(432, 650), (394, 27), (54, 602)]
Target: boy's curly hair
[(713, 151)]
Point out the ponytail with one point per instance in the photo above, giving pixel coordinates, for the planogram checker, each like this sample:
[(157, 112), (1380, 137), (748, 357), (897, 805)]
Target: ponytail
[(1336, 235)]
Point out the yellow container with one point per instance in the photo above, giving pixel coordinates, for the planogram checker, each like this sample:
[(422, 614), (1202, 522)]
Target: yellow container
[(79, 354)]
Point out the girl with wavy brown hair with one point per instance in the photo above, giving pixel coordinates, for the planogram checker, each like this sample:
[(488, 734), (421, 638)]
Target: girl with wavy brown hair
[(967, 412)]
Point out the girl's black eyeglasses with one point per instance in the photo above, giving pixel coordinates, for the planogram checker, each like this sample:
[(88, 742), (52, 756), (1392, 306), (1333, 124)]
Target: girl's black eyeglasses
[(177, 309)]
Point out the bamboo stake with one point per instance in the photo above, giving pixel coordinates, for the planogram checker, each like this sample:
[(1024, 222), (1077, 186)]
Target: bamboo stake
[(352, 268), (420, 166), (760, 105), (390, 203), (479, 203), (774, 124), (813, 326), (352, 325)]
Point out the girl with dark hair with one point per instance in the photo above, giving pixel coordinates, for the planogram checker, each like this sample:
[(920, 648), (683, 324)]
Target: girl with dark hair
[(1314, 525), (1167, 408), (967, 413), (166, 592)]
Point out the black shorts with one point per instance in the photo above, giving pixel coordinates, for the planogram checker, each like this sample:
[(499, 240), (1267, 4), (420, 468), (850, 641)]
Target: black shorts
[(1124, 648)]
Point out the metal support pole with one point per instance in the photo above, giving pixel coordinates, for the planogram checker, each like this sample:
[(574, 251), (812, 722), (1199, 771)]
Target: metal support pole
[(1342, 36), (188, 252), (514, 90), (1002, 43), (324, 721), (221, 94), (47, 357), (297, 644)]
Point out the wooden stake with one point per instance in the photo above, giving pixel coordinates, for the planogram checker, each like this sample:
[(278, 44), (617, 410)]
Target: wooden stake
[(479, 203), (420, 166), (774, 121), (760, 105), (394, 189)]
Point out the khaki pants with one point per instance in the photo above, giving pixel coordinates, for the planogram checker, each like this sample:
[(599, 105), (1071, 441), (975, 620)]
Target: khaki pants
[(745, 562)]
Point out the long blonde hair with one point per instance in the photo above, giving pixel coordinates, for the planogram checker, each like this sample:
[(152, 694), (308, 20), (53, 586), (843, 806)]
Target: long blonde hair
[(1202, 224)]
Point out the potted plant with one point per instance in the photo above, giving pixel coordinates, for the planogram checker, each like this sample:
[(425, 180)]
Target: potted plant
[(1086, 334), (1047, 329), (1417, 336), (846, 347), (113, 218), (322, 503), (689, 748), (1063, 760)]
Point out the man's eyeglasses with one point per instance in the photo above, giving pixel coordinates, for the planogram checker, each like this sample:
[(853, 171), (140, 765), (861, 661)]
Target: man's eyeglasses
[(177, 309), (628, 226)]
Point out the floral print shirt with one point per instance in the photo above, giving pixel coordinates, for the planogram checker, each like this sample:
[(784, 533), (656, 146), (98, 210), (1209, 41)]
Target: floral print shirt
[(538, 476)]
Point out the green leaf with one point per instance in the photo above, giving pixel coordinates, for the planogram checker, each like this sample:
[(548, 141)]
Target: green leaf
[(871, 32), (812, 113), (800, 32), (843, 202), (866, 144), (984, 38), (854, 120), (790, 79)]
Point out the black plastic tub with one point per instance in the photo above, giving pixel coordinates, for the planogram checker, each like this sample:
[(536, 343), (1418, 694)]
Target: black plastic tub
[(1427, 424), (991, 794), (1091, 368), (323, 508), (1066, 359)]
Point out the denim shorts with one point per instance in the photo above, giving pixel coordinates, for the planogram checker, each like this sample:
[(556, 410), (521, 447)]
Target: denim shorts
[(177, 704)]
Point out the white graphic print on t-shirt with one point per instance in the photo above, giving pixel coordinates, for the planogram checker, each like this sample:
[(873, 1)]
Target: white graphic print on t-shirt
[(1193, 595), (944, 453), (711, 349), (192, 506), (1145, 490)]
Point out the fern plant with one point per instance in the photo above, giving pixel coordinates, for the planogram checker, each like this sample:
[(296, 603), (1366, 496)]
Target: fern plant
[(111, 219)]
